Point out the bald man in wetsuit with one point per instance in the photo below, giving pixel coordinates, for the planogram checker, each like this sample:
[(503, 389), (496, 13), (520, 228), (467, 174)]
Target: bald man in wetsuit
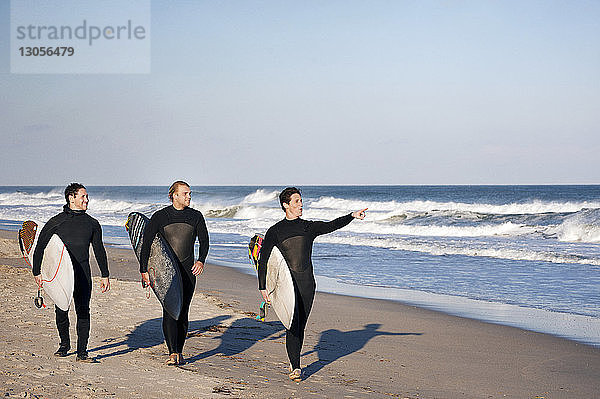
[(180, 225), (294, 237)]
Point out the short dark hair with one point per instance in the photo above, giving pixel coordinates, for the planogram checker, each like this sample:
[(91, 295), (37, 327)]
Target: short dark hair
[(175, 186), (72, 189), (286, 195)]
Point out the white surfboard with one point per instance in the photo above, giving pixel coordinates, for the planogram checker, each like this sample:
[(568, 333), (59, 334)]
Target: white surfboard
[(280, 287), (58, 278)]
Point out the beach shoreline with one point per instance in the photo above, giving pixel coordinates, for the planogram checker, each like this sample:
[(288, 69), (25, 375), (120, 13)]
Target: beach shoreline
[(354, 347)]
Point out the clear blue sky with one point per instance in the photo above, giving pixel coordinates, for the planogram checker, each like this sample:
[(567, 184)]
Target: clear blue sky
[(323, 92)]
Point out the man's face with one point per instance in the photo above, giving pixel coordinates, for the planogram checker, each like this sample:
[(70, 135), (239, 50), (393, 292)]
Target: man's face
[(182, 197), (294, 208), (79, 201)]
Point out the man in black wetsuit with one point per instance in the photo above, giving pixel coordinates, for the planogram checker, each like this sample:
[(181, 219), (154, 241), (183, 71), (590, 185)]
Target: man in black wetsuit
[(77, 230), (294, 237), (179, 225)]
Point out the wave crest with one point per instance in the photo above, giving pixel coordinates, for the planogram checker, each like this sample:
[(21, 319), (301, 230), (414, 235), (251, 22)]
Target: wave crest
[(582, 226), (260, 196), (532, 207)]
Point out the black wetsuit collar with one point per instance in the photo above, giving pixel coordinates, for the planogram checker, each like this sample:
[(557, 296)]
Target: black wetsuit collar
[(72, 212)]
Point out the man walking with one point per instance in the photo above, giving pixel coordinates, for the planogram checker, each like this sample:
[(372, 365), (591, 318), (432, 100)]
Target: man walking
[(294, 237), (180, 225), (77, 230)]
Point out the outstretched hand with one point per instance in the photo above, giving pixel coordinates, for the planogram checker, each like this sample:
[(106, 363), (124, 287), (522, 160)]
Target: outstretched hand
[(360, 214)]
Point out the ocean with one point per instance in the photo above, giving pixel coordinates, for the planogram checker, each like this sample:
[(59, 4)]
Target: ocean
[(525, 256)]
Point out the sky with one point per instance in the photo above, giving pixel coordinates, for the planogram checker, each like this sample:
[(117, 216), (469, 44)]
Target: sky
[(321, 92)]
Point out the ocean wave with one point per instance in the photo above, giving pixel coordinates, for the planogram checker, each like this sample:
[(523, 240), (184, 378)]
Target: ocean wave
[(447, 214), (120, 207), (398, 208), (36, 199), (445, 246), (21, 206), (563, 221), (583, 226), (22, 213), (240, 211), (442, 249), (228, 212), (260, 196), (426, 224), (487, 230)]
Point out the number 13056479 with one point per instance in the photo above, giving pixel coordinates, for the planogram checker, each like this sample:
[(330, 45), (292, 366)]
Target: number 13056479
[(46, 51)]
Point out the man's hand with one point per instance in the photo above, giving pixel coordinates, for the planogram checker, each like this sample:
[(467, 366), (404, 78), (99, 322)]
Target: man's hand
[(145, 279), (38, 280), (198, 268), (360, 214), (104, 284), (265, 295)]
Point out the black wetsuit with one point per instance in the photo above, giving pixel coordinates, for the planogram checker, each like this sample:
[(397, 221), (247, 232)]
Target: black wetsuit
[(77, 230), (180, 228), (294, 238)]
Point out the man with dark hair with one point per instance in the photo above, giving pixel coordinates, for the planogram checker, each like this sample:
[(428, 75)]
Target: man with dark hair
[(286, 195), (294, 237), (77, 230), (180, 225)]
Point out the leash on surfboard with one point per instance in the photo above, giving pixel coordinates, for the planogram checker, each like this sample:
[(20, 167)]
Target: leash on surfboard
[(254, 247), (262, 311), (38, 301)]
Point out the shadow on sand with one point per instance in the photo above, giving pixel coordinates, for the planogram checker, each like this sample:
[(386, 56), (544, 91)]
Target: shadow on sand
[(149, 334), (335, 344), (241, 336)]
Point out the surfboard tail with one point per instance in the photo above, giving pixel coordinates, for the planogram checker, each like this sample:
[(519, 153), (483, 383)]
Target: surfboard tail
[(254, 249), (27, 236)]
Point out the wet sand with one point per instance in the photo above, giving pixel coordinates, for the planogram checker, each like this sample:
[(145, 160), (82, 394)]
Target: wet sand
[(354, 347)]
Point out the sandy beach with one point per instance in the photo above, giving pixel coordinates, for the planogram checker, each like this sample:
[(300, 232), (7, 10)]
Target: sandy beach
[(354, 347)]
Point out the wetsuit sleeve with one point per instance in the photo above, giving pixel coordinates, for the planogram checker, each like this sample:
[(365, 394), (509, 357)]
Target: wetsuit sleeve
[(99, 250), (149, 233), (265, 252), (319, 228), (202, 234), (47, 231)]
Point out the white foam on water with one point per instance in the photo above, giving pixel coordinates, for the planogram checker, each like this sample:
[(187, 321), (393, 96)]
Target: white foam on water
[(582, 226), (428, 246), (116, 207), (483, 230), (532, 207), (260, 196), (467, 249), (36, 199), (260, 209)]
